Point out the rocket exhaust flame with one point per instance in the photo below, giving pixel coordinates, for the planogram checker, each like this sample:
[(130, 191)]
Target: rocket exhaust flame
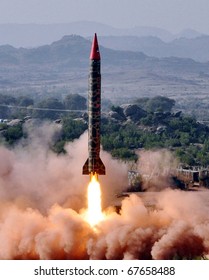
[(94, 211)]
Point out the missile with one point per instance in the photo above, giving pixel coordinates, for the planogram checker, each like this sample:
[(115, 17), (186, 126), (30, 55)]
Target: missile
[(94, 164)]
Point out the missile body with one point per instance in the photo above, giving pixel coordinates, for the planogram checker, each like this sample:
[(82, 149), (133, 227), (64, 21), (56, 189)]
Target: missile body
[(94, 164)]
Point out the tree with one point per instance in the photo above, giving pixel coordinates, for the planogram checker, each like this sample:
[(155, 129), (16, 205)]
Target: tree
[(4, 112), (24, 101), (188, 159), (142, 102), (72, 129), (124, 153), (13, 133), (75, 102), (7, 99), (52, 106), (160, 103)]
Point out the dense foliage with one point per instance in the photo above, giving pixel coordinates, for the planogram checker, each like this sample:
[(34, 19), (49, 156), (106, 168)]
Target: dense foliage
[(71, 129), (13, 133), (157, 103), (122, 136), (50, 108), (188, 139)]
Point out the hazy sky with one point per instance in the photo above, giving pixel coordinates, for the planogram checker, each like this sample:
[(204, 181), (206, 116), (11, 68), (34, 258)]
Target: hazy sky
[(173, 15)]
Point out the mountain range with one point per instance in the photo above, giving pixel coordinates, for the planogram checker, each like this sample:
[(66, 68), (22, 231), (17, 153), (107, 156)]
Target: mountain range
[(194, 48), (62, 67), (151, 41), (73, 52), (32, 35)]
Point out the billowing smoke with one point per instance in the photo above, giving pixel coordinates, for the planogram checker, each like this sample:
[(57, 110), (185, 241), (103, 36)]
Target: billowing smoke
[(156, 168), (177, 228), (43, 196), (33, 173)]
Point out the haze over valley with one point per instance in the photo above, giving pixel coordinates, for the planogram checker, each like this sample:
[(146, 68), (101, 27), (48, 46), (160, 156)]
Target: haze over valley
[(61, 67)]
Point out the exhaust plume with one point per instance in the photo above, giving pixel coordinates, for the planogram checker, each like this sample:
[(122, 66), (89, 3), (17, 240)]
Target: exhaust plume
[(43, 198)]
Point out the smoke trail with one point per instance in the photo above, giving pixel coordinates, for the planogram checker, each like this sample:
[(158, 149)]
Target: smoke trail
[(42, 199)]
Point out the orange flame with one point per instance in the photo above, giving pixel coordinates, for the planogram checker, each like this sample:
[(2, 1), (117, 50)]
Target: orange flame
[(94, 212)]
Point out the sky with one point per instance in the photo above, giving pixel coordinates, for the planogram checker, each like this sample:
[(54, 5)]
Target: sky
[(173, 15)]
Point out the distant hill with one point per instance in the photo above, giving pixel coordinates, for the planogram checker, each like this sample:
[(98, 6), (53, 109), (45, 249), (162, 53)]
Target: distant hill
[(189, 34), (195, 48), (73, 52), (62, 67), (33, 35)]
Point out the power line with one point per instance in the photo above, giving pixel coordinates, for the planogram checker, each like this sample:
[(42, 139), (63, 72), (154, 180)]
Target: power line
[(41, 109)]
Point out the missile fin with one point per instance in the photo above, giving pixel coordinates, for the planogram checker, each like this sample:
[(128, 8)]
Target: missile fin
[(101, 167), (97, 167), (86, 168)]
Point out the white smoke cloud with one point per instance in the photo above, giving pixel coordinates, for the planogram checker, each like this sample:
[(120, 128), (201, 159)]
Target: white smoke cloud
[(156, 168), (42, 197)]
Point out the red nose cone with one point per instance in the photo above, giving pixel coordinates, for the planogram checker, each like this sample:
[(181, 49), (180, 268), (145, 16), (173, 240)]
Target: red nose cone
[(95, 49)]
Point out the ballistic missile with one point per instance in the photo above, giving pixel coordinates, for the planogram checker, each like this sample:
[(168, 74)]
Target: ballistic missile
[(94, 164)]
